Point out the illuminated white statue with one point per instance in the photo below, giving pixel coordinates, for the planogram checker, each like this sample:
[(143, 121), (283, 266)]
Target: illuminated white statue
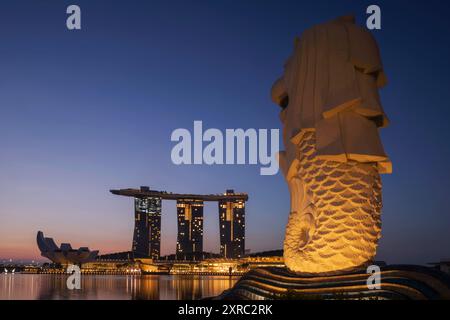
[(331, 116)]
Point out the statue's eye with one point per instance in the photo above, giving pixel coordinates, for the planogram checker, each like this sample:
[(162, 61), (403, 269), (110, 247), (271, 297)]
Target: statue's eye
[(378, 120), (284, 102)]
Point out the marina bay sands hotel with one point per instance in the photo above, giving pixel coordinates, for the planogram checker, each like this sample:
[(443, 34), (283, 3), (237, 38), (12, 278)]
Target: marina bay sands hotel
[(147, 228)]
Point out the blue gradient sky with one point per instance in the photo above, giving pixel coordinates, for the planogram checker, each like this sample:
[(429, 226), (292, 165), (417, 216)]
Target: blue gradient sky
[(86, 111)]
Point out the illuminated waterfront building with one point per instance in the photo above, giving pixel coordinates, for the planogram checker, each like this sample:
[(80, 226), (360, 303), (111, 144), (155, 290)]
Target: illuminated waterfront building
[(64, 254), (147, 226), (190, 229), (232, 227)]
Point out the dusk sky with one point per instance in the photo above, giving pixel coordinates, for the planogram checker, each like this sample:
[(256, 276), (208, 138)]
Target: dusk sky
[(82, 112)]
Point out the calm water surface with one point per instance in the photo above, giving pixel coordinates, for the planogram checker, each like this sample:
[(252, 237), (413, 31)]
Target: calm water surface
[(158, 287)]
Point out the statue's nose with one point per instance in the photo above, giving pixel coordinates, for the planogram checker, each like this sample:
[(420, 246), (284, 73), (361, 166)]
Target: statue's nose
[(279, 93)]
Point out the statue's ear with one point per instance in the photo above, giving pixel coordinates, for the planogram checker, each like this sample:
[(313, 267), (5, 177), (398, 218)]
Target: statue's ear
[(381, 79)]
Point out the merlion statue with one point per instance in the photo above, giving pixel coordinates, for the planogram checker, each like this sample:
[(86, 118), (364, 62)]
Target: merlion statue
[(333, 158), (331, 114)]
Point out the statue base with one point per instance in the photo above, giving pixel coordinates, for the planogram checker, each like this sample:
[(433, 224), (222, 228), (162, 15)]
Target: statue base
[(398, 282)]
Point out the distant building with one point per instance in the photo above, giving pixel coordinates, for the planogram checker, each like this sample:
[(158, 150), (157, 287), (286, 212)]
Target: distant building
[(147, 226), (123, 256), (443, 265), (232, 227), (190, 229), (147, 230), (64, 254)]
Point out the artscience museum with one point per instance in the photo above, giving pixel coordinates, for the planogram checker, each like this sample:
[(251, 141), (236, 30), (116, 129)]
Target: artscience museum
[(64, 254)]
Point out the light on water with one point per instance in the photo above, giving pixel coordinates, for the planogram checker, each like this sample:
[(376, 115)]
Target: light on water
[(117, 287)]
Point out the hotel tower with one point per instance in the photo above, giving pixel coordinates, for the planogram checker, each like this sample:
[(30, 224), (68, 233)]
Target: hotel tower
[(190, 229), (147, 227), (232, 227)]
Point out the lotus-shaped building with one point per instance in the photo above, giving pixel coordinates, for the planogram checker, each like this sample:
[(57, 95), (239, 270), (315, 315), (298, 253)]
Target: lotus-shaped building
[(64, 254)]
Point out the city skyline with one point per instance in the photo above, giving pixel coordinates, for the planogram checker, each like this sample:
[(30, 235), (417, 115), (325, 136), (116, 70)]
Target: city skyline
[(87, 111), (190, 231)]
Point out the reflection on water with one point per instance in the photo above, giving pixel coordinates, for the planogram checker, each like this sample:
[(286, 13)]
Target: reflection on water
[(158, 287)]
